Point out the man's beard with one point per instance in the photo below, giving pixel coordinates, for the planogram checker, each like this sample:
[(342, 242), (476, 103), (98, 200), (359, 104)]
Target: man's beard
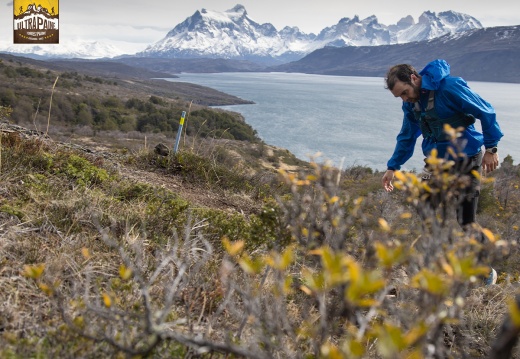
[(416, 93)]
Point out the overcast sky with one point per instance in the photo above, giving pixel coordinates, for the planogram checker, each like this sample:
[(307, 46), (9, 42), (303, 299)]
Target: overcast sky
[(145, 22)]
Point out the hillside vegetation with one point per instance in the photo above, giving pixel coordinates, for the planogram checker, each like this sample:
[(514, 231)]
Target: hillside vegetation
[(231, 248), (124, 104)]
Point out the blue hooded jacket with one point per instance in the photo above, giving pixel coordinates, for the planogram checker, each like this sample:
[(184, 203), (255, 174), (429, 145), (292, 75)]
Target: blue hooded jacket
[(452, 96)]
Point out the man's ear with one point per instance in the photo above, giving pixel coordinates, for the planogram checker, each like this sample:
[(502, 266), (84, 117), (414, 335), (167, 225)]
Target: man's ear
[(415, 80)]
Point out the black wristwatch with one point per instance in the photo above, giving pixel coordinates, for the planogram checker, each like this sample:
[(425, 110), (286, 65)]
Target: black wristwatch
[(492, 150)]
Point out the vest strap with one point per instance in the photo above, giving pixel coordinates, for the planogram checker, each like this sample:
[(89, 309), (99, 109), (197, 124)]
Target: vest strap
[(432, 126)]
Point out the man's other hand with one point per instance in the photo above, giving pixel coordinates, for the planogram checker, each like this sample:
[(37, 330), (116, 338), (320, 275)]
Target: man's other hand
[(490, 162)]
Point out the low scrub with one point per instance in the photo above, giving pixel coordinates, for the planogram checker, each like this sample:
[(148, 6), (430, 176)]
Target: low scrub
[(93, 264)]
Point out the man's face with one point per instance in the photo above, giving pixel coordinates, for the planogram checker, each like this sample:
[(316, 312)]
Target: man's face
[(408, 92)]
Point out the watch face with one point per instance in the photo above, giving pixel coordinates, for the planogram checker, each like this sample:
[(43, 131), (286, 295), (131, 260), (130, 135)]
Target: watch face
[(492, 150)]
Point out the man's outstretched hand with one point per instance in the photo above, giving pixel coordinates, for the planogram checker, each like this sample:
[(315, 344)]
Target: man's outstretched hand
[(387, 180)]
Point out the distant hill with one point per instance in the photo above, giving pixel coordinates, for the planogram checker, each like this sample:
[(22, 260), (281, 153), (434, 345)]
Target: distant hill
[(197, 65), (130, 79), (489, 54), (104, 67)]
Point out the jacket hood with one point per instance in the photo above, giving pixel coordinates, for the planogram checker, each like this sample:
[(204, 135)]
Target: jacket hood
[(434, 73)]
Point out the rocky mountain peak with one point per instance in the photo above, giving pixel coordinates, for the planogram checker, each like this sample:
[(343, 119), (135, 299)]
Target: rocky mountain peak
[(238, 9)]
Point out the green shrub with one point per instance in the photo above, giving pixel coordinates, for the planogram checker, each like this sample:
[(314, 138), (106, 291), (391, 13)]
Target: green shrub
[(487, 202), (13, 211), (157, 100), (127, 191), (201, 170), (83, 171), (112, 101)]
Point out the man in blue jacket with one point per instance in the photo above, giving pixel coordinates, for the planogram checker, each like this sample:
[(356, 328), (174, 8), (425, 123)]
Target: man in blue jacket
[(431, 99)]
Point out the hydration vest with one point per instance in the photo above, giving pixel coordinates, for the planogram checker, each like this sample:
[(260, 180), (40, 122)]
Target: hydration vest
[(432, 126)]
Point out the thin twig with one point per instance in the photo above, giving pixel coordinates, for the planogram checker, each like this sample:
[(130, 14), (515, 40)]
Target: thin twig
[(50, 106), (36, 113)]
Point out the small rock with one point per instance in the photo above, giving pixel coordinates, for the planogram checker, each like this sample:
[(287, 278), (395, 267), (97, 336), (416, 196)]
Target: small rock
[(162, 149)]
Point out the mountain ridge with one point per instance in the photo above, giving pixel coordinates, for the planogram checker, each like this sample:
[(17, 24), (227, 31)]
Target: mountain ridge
[(234, 35), (479, 55)]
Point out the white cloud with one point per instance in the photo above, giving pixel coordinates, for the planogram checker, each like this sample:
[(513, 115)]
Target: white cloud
[(128, 33)]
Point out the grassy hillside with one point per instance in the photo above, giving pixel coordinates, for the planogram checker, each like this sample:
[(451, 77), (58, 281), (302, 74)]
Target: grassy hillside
[(233, 248)]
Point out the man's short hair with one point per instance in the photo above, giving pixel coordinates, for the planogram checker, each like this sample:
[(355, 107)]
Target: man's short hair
[(401, 72)]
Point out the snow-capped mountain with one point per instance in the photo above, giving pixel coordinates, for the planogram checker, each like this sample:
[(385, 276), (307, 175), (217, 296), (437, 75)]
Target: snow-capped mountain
[(234, 35), (229, 34)]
